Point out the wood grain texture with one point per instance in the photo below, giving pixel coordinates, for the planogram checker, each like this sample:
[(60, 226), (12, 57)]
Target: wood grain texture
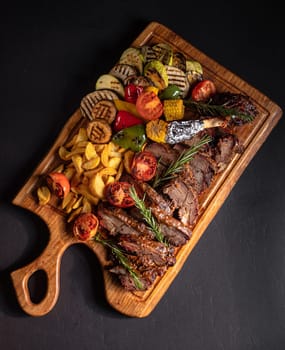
[(139, 304)]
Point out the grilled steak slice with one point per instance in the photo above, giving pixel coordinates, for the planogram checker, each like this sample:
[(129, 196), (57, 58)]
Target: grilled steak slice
[(147, 257), (227, 146), (185, 199), (117, 221), (153, 253), (163, 151), (174, 230), (202, 171), (156, 198)]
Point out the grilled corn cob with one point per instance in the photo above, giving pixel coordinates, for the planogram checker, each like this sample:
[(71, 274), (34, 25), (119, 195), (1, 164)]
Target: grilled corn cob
[(173, 109)]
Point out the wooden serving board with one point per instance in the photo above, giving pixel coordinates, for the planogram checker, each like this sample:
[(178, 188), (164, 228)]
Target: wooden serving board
[(139, 304)]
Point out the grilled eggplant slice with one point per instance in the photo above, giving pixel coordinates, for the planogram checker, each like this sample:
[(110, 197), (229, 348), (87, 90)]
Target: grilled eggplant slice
[(133, 57), (108, 81), (123, 71), (89, 101), (177, 77)]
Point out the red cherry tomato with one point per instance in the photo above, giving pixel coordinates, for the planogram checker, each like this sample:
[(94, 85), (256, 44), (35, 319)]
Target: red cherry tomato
[(144, 166), (203, 90), (124, 120), (85, 226), (118, 194), (149, 106), (132, 92), (58, 183)]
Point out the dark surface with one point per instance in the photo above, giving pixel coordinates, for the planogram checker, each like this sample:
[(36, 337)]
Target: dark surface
[(230, 293)]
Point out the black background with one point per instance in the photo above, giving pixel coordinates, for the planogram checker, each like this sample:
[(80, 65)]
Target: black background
[(230, 293)]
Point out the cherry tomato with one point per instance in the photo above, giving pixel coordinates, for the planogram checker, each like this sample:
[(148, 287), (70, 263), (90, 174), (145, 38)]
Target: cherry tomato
[(124, 120), (132, 92), (85, 226), (118, 194), (203, 90), (58, 183), (149, 105), (144, 166)]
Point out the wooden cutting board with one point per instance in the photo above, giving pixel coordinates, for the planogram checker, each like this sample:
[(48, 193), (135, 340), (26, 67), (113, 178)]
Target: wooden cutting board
[(139, 304)]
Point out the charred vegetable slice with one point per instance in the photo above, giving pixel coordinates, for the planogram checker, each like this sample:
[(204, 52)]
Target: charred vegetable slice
[(132, 138), (99, 131), (156, 72), (108, 81), (133, 57)]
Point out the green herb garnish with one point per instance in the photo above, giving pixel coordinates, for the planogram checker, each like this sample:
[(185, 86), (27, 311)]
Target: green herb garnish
[(147, 215), (122, 259), (217, 110), (177, 166)]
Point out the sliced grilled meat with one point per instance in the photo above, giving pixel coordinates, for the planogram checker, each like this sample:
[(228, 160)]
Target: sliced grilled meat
[(156, 198), (117, 221), (185, 199)]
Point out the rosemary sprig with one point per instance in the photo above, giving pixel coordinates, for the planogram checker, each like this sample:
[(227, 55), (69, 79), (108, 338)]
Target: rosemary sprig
[(176, 166), (147, 215), (122, 259), (217, 110)]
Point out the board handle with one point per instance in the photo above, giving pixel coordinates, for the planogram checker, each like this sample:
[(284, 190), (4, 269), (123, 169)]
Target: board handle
[(49, 262)]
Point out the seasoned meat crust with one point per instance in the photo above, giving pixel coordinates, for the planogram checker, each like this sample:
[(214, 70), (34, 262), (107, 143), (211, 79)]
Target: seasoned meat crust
[(175, 206)]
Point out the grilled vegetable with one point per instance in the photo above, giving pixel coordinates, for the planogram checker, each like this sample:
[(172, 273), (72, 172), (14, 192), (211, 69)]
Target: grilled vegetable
[(132, 92), (58, 184), (178, 77), (194, 71), (131, 138), (203, 90), (124, 120), (149, 105), (173, 109), (147, 53), (89, 101), (126, 106), (99, 131), (163, 52), (104, 109), (179, 131), (108, 81), (133, 57), (143, 166), (123, 72), (172, 91), (85, 226), (179, 61), (156, 130), (156, 72), (118, 194)]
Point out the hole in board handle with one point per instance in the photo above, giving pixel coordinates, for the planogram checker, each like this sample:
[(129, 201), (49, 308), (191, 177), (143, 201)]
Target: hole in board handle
[(37, 285)]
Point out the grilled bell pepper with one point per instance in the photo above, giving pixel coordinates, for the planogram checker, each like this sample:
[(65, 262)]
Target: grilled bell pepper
[(131, 92), (124, 120), (133, 137), (171, 92)]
